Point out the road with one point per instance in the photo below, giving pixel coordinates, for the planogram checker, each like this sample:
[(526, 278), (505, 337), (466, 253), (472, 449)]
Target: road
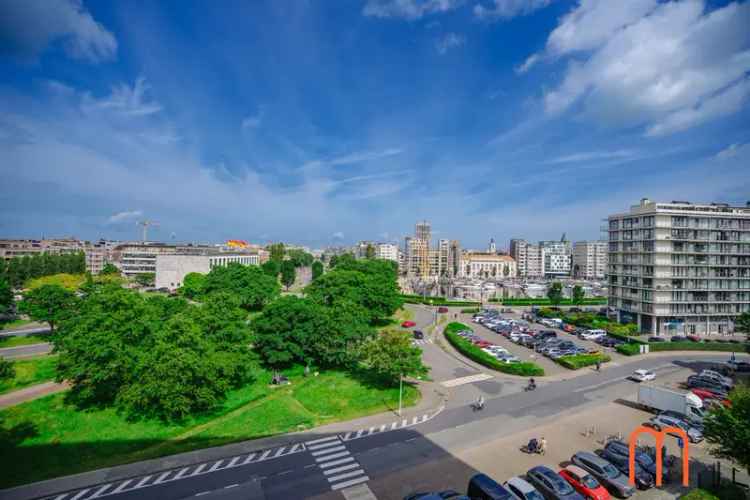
[(24, 332), (25, 351), (356, 465)]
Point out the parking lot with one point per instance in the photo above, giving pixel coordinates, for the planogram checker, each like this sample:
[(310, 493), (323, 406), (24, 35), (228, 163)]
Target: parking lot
[(527, 354)]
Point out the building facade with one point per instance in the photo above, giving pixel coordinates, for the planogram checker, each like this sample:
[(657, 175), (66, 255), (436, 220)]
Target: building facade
[(557, 257), (96, 253), (590, 259), (387, 251), (679, 267), (171, 269), (529, 259), (487, 266)]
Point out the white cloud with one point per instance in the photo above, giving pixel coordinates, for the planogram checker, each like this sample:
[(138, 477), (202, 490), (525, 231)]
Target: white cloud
[(593, 155), (408, 9), (506, 9), (124, 216), (338, 235), (27, 27), (731, 151), (448, 42), (125, 100), (362, 156), (528, 64), (669, 66)]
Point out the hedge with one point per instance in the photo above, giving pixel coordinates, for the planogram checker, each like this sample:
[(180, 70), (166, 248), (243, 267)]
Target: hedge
[(476, 354), (697, 346), (436, 301), (471, 310), (580, 360), (593, 321), (629, 349), (593, 301)]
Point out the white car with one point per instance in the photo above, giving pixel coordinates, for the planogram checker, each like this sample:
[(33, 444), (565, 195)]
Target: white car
[(593, 334), (642, 376)]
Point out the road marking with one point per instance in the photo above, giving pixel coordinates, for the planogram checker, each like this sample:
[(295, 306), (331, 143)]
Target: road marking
[(321, 440), (122, 486), (335, 455), (215, 466), (297, 447), (279, 452), (162, 477), (202, 493), (199, 469), (346, 484), (359, 432), (346, 475), (80, 494), (336, 462), (358, 492), (329, 450), (181, 473), (264, 455), (100, 491), (350, 466), (233, 461), (231, 486), (393, 425), (249, 458), (466, 380), (60, 497), (325, 445), (403, 423), (382, 427)]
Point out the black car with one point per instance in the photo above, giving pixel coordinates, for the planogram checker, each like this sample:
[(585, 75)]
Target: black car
[(551, 484), (643, 459), (438, 495), (657, 339), (483, 487), (678, 338), (699, 381), (418, 334), (643, 480)]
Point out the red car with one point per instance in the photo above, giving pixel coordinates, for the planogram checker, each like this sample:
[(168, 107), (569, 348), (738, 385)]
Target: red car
[(408, 324), (442, 309), (705, 394), (584, 483), (569, 328), (482, 343)]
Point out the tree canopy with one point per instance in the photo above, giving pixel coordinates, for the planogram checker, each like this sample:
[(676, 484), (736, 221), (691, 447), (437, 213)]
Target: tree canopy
[(20, 269), (392, 355), (578, 294), (7, 370), (271, 268), (743, 323), (48, 303), (317, 269), (6, 297), (253, 287), (192, 285), (288, 273), (728, 428), (145, 279), (554, 293), (276, 251), (109, 268), (153, 356), (299, 257)]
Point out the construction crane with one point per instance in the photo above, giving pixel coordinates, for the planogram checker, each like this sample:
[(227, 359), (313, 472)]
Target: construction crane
[(563, 240), (146, 224)]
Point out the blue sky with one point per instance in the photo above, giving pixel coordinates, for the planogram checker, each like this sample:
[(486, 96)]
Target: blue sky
[(326, 122)]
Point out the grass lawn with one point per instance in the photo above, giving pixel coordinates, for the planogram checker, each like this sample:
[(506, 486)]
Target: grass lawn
[(17, 340), (38, 438), (29, 372), (69, 281)]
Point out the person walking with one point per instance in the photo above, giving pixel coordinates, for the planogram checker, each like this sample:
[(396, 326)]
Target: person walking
[(542, 446)]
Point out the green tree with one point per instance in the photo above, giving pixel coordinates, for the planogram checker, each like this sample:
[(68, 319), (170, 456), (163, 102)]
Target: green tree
[(728, 428), (284, 328), (6, 297), (333, 261), (250, 284), (36, 268), (742, 324), (370, 251), (14, 273), (272, 268), (276, 251), (317, 269), (391, 355), (192, 285), (288, 273), (48, 303), (554, 293), (145, 279), (110, 268), (7, 370), (506, 270), (299, 257), (578, 294)]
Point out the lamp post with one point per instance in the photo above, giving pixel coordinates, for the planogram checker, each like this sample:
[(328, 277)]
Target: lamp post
[(400, 391)]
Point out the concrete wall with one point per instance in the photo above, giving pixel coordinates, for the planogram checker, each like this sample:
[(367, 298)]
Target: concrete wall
[(172, 269)]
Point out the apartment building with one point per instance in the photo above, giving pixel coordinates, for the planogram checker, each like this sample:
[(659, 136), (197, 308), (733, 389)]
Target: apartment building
[(557, 258), (416, 257), (171, 269), (387, 251), (487, 265), (590, 259), (96, 253), (529, 258), (680, 267)]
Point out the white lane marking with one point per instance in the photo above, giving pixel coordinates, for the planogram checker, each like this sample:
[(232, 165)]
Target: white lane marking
[(122, 486), (162, 477), (198, 470), (202, 493), (297, 447), (360, 492), (328, 450), (80, 494), (249, 458), (321, 440), (279, 452), (403, 423), (360, 432), (233, 461), (60, 497), (341, 469), (393, 425), (101, 490), (231, 486), (346, 475), (465, 380), (347, 436), (352, 482), (324, 445), (264, 455), (336, 462), (215, 466), (372, 429), (331, 457), (180, 474), (414, 420), (382, 427)]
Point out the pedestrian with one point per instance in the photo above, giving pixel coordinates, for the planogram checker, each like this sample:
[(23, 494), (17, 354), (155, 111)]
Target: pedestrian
[(542, 446), (598, 366)]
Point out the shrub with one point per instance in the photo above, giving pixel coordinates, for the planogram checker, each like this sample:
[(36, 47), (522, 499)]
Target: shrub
[(471, 310), (696, 346), (629, 349), (476, 354), (436, 301), (591, 301), (580, 360)]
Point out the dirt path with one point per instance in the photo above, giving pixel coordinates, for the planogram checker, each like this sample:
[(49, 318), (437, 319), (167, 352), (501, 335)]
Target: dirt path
[(33, 392)]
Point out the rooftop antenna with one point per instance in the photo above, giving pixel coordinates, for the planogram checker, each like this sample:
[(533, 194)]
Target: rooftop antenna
[(146, 224)]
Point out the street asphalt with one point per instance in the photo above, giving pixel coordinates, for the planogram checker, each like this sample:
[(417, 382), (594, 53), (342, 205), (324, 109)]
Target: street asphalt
[(329, 466), (25, 351)]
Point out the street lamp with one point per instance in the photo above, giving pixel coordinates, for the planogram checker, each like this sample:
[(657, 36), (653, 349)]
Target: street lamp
[(400, 391)]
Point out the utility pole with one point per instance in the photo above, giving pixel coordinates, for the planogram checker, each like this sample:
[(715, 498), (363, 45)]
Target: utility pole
[(400, 391), (146, 224)]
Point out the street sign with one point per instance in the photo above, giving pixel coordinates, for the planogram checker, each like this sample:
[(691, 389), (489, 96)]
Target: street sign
[(680, 443)]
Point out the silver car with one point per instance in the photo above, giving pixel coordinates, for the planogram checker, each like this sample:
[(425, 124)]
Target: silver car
[(607, 474), (662, 421)]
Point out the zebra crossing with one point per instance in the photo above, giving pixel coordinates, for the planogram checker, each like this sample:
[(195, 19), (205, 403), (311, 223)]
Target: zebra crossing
[(421, 341), (338, 465), (127, 485), (466, 380), (401, 423)]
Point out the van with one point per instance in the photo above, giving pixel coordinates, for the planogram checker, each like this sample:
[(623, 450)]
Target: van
[(483, 487)]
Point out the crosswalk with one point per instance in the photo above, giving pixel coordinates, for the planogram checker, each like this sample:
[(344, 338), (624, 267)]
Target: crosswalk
[(466, 380), (401, 423), (338, 465), (421, 341)]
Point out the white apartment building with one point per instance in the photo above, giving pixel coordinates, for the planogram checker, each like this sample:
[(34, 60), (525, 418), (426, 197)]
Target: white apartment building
[(172, 269), (529, 258), (487, 266), (387, 251), (590, 259), (557, 257), (679, 267)]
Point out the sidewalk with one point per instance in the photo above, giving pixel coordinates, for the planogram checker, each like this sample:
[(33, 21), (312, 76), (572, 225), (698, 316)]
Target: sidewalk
[(33, 392), (432, 402)]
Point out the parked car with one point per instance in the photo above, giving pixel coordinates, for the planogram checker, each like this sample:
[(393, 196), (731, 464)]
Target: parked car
[(710, 383), (440, 495), (483, 487), (693, 338), (641, 375), (657, 339), (593, 334), (737, 366), (621, 450), (678, 338), (706, 394), (717, 376), (698, 424), (643, 479), (551, 484), (606, 473), (584, 483), (418, 334), (521, 489), (442, 309), (569, 328), (408, 324), (662, 421)]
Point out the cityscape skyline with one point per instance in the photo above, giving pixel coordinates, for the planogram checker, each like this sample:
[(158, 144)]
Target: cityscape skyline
[(490, 123)]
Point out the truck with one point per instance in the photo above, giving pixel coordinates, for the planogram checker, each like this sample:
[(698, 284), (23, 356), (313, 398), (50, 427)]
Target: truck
[(667, 399)]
